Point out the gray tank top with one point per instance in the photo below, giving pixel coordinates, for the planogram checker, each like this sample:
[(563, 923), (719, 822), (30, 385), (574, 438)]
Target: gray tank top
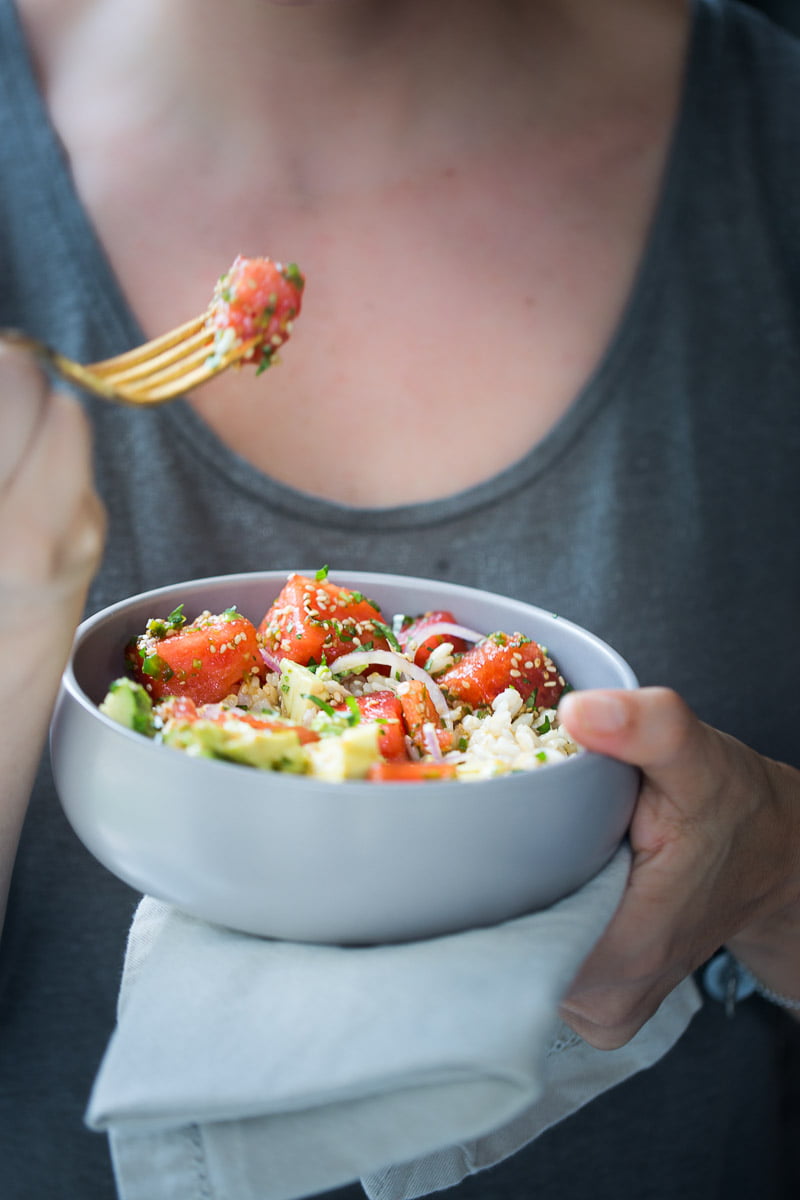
[(661, 512)]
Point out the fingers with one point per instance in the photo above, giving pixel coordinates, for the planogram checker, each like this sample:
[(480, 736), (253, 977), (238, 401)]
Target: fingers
[(648, 727), (651, 728), (706, 836), (53, 523), (23, 396)]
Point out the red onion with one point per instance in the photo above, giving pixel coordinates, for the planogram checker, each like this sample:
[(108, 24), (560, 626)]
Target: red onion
[(271, 661), (432, 741), (446, 627), (398, 663)]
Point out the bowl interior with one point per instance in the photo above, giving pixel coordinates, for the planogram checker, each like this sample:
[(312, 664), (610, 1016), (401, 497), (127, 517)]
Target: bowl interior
[(584, 660)]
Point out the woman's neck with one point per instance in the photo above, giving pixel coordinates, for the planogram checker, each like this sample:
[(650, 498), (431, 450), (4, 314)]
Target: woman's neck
[(256, 81), (469, 229)]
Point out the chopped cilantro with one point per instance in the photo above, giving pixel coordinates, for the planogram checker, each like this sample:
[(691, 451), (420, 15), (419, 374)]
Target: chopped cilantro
[(154, 666), (159, 628), (355, 712), (386, 632), (292, 274), (232, 614), (322, 574)]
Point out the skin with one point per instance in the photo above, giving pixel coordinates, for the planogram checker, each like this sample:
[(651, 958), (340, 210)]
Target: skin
[(406, 191), (51, 545), (402, 203), (716, 860)]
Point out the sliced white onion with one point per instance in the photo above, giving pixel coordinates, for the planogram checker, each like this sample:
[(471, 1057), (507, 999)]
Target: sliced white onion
[(432, 741), (444, 627), (398, 663)]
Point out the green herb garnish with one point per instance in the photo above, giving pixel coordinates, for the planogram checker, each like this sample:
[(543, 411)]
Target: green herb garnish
[(154, 666), (158, 628), (292, 274), (386, 632)]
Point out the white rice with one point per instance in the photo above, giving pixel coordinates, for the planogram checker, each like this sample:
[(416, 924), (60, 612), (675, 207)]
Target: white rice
[(510, 739), (505, 739)]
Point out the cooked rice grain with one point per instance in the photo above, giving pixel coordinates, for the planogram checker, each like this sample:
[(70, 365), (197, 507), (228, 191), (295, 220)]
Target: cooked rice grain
[(510, 739)]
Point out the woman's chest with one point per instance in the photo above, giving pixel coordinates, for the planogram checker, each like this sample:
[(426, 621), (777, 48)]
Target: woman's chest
[(447, 324)]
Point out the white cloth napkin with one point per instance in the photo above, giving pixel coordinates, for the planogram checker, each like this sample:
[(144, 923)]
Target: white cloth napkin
[(268, 1070)]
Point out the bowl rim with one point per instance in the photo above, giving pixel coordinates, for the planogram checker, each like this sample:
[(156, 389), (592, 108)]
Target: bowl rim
[(71, 687)]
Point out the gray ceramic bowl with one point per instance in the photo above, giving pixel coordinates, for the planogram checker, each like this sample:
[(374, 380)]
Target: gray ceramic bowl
[(355, 862)]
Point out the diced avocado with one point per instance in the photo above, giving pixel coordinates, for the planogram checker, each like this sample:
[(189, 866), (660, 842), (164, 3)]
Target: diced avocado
[(296, 686), (347, 757), (269, 749), (128, 704)]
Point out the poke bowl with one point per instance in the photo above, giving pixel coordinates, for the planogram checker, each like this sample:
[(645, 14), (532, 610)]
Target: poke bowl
[(387, 831)]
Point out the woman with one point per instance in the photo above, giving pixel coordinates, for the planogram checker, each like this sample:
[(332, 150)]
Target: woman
[(547, 347)]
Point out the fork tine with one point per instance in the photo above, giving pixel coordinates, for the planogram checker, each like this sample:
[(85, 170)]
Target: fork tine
[(175, 359), (179, 383), (148, 349), (162, 369)]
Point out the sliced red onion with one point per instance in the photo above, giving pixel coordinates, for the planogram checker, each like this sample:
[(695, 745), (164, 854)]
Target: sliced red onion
[(271, 661), (398, 663), (446, 627), (432, 741)]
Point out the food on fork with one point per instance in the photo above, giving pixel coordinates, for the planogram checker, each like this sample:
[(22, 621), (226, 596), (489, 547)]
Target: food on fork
[(255, 298), (249, 318), (322, 685)]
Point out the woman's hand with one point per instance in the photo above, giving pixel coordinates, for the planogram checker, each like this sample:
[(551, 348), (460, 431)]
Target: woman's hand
[(52, 536), (52, 521), (716, 860)]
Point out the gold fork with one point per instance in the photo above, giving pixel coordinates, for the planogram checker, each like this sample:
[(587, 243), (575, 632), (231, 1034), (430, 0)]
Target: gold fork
[(157, 371)]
